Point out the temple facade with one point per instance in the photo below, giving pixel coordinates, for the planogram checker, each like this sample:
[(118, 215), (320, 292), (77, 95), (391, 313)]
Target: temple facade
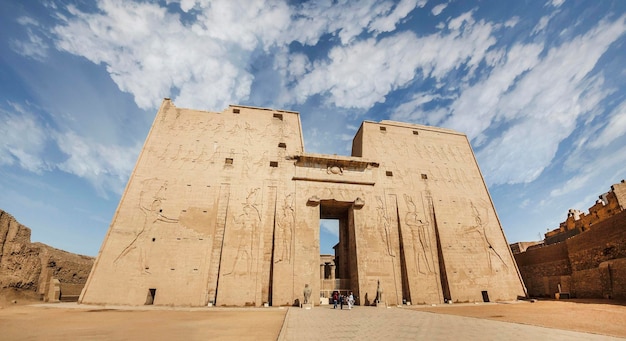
[(224, 208)]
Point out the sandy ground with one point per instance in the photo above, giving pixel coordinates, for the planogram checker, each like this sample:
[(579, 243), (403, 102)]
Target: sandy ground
[(606, 317), (60, 322), (51, 323)]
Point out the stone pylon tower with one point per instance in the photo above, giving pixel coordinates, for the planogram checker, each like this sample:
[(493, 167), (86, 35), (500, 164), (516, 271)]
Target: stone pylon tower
[(224, 207)]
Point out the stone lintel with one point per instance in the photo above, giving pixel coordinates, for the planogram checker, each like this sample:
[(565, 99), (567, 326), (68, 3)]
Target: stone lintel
[(334, 160), (337, 181)]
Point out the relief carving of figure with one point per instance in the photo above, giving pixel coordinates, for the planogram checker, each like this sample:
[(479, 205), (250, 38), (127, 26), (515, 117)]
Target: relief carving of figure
[(481, 229), (250, 130), (245, 158), (285, 224), (150, 204), (248, 225), (385, 223), (420, 237)]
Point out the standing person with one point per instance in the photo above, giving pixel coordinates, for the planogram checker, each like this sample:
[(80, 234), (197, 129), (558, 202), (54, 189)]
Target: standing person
[(341, 299), (350, 300), (335, 299)]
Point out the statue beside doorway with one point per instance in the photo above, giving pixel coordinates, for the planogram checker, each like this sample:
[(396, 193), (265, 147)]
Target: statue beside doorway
[(307, 293)]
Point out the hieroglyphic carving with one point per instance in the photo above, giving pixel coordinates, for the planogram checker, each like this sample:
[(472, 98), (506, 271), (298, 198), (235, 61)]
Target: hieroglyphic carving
[(285, 223), (234, 130), (420, 237), (247, 233), (175, 157), (263, 160), (481, 229), (384, 225), (215, 155), (245, 160), (334, 169), (250, 133), (218, 127)]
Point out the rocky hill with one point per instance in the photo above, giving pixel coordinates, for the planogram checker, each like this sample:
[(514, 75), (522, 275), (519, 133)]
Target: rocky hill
[(30, 266)]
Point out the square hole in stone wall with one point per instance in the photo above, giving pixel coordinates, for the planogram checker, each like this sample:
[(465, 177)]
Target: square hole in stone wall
[(228, 161), (383, 128), (273, 163), (424, 176), (415, 132), (282, 145), (235, 111), (389, 173), (278, 116)]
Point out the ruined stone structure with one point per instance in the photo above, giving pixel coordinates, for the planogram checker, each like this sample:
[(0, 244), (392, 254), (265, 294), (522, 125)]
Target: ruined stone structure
[(607, 205), (34, 267), (590, 263), (224, 208)]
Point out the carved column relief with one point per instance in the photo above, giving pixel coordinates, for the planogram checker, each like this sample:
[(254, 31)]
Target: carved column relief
[(285, 223), (216, 254)]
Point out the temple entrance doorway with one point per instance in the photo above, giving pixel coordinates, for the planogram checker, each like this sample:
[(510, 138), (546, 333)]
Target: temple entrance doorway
[(338, 270)]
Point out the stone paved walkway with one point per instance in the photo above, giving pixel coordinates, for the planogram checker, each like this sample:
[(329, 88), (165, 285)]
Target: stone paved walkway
[(370, 323)]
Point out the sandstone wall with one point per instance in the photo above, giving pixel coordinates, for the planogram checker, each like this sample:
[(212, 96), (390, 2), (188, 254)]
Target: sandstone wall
[(27, 266), (591, 264), (224, 208)]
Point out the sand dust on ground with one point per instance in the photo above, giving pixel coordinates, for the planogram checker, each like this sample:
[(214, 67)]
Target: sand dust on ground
[(41, 323), (606, 317), (60, 322)]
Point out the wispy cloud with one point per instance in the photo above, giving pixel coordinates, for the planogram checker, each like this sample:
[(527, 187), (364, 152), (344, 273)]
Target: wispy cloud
[(362, 74), (438, 9), (35, 46), (24, 139), (106, 167)]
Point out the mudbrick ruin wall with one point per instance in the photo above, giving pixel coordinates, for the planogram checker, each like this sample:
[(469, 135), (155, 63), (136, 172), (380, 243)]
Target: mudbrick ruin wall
[(591, 264), (33, 266), (224, 208)]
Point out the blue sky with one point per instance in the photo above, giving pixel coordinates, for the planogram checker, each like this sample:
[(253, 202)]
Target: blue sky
[(538, 87)]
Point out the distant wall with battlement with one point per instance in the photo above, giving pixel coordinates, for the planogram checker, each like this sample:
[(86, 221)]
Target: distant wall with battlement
[(608, 204), (591, 264)]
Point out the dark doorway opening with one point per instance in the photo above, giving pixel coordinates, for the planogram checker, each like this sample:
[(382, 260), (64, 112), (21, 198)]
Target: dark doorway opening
[(485, 296), (151, 296)]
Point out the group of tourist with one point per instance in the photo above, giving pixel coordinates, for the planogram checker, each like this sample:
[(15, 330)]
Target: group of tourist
[(343, 299)]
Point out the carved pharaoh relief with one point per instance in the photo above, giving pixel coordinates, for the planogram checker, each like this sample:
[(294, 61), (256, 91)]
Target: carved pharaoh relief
[(334, 169)]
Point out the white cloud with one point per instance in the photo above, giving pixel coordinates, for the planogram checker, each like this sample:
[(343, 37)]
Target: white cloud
[(557, 3), (615, 127), (346, 18), (35, 46), (477, 106), (511, 22), (151, 53), (23, 139), (438, 9), (413, 110), (106, 167), (29, 143), (543, 107), (595, 169), (541, 25), (388, 23), (363, 73), (331, 226)]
